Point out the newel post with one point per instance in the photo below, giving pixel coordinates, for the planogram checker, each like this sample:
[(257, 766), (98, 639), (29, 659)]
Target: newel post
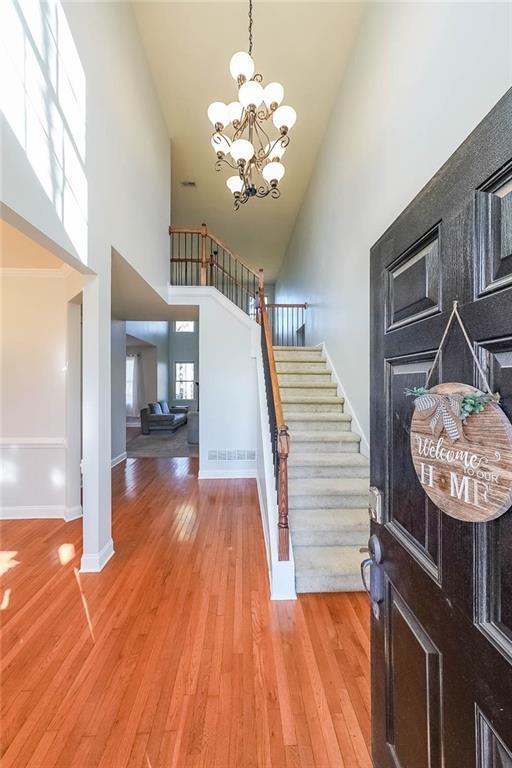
[(204, 260), (282, 493)]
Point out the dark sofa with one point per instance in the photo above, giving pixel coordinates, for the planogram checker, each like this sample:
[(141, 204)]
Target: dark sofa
[(158, 417)]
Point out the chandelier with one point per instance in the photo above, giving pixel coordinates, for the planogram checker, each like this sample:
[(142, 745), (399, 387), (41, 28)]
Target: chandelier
[(250, 150)]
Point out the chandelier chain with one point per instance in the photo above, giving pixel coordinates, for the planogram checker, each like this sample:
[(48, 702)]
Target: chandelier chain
[(250, 27)]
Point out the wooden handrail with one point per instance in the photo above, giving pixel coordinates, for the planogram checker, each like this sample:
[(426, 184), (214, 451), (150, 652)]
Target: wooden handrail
[(288, 306), (203, 231), (282, 436)]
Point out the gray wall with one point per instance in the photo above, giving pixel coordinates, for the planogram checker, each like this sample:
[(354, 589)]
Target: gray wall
[(156, 333), (118, 387), (420, 77)]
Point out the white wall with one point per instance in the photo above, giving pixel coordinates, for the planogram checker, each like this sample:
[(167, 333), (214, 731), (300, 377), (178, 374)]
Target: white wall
[(228, 405), (183, 348), (118, 385), (40, 440), (94, 177), (419, 79)]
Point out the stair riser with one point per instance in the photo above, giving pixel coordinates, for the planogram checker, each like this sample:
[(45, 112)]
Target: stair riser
[(298, 357), (287, 379), (355, 537), (301, 472), (299, 368), (312, 583), (319, 426), (323, 447), (330, 391), (336, 407), (337, 501)]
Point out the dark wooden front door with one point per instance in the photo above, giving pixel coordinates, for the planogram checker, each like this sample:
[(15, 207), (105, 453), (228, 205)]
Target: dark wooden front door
[(442, 635)]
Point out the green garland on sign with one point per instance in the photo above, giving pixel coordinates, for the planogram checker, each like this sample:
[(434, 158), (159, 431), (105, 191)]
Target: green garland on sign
[(469, 404)]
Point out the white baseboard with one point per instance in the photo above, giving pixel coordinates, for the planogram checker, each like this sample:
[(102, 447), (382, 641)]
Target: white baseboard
[(33, 513), (72, 513), (364, 447), (41, 513), (226, 474), (118, 459), (96, 562)]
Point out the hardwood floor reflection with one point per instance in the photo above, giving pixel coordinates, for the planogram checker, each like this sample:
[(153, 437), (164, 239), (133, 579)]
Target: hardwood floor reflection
[(174, 654)]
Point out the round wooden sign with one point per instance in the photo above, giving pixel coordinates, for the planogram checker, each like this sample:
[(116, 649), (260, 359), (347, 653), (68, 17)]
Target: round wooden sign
[(464, 466)]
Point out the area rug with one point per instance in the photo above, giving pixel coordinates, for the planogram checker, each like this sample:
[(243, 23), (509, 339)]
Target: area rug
[(162, 445)]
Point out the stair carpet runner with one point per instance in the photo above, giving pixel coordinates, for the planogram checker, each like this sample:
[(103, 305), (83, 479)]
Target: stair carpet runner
[(328, 477)]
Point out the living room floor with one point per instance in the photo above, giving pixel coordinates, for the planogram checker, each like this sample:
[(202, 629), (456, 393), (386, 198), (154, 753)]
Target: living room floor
[(163, 445)]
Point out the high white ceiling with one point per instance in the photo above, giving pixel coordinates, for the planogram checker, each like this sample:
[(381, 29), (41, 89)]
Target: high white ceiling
[(303, 45)]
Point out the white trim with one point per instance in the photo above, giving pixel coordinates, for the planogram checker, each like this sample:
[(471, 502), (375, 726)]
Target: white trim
[(118, 459), (226, 474), (32, 442), (72, 513), (94, 563), (188, 294), (281, 572), (364, 447), (52, 272), (41, 513), (32, 513)]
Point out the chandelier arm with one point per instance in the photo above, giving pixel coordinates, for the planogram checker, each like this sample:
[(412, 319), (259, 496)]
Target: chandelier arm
[(258, 127), (220, 160)]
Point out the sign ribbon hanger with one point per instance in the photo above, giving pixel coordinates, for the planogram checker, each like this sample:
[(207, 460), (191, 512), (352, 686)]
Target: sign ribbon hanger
[(455, 314)]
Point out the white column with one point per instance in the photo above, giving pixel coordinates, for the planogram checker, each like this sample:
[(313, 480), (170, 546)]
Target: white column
[(98, 546)]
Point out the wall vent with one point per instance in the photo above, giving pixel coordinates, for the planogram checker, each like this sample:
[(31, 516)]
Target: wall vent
[(232, 454)]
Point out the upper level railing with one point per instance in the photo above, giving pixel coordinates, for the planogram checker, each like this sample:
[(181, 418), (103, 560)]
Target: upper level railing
[(288, 324), (199, 258)]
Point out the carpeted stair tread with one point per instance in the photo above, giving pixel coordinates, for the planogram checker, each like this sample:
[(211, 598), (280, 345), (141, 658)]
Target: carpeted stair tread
[(328, 569), (327, 437), (316, 417), (327, 459), (328, 486)]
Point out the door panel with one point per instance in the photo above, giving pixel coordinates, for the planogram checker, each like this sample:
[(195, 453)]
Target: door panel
[(442, 637), (410, 512), (413, 677)]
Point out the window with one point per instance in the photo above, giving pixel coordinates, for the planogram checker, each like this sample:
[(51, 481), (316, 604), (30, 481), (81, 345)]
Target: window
[(184, 326), (184, 381), (130, 365)]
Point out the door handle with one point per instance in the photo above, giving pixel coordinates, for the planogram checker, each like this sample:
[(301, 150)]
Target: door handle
[(375, 589)]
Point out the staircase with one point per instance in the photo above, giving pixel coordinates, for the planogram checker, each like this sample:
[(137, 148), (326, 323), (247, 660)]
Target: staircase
[(327, 475)]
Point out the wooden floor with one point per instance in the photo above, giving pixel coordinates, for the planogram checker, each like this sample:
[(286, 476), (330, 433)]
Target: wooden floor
[(174, 655)]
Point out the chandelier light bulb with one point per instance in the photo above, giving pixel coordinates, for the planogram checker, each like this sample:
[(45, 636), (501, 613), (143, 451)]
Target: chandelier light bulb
[(250, 93), (218, 114), (234, 184), (220, 143), (241, 65), (273, 172), (241, 149), (285, 118), (273, 93), (235, 110), (276, 152)]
